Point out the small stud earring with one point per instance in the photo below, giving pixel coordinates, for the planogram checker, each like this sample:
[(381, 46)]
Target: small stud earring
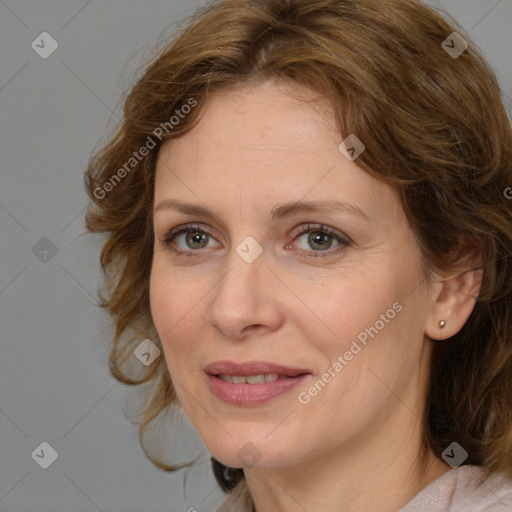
[(442, 323)]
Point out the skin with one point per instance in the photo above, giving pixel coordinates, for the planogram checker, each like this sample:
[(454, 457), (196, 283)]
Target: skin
[(355, 446)]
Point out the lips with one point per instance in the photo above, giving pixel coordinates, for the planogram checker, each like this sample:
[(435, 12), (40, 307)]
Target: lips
[(252, 383), (252, 368)]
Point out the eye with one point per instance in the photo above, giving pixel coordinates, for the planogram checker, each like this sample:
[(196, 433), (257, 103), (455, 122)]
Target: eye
[(189, 239), (320, 238), (192, 238)]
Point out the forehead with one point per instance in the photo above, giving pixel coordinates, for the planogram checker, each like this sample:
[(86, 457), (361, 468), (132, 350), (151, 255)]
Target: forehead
[(265, 143), (268, 118)]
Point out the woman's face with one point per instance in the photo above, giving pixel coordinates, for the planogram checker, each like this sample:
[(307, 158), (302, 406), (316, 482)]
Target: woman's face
[(277, 274)]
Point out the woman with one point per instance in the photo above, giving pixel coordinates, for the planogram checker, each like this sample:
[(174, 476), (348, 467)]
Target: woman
[(305, 213)]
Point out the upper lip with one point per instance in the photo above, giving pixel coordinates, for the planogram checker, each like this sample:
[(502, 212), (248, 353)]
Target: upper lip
[(251, 368)]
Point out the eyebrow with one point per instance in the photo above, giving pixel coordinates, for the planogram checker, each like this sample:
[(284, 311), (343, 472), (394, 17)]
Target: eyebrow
[(280, 211)]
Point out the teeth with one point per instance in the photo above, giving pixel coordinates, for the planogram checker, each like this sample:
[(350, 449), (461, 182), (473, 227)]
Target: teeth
[(250, 379), (255, 379)]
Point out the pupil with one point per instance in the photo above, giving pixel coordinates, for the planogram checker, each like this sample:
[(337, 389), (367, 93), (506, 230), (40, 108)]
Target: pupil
[(320, 239), (196, 237)]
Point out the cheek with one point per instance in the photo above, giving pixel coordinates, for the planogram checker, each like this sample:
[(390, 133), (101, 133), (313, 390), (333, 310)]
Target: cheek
[(345, 305), (378, 324), (174, 305), (369, 319)]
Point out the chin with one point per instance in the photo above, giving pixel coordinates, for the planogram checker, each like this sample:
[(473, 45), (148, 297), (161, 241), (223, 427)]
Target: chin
[(253, 448)]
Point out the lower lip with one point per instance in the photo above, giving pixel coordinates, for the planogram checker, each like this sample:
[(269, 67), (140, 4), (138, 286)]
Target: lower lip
[(252, 394)]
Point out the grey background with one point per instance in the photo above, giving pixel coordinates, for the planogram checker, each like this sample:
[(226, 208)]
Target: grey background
[(54, 381)]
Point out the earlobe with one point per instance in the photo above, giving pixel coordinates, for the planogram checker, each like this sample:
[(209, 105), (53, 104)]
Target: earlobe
[(453, 305)]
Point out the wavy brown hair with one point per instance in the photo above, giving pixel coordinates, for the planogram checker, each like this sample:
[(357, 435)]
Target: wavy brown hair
[(435, 129)]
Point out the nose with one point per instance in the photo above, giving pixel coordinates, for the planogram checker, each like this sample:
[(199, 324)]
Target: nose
[(246, 299)]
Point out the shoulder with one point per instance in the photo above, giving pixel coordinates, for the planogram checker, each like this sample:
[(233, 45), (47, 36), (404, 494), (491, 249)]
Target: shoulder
[(465, 489)]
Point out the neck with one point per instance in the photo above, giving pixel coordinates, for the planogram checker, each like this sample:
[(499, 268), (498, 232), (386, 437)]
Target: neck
[(379, 472)]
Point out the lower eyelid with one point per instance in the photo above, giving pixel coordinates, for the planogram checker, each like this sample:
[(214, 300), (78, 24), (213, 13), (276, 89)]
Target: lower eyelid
[(172, 234), (342, 245), (170, 239)]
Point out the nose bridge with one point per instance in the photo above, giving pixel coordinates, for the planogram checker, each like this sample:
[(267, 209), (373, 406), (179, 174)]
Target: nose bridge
[(241, 297), (239, 286)]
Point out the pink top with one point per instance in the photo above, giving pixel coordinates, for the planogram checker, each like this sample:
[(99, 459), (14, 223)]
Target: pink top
[(455, 491)]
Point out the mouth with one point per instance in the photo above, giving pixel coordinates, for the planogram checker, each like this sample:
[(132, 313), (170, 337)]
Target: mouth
[(252, 379), (252, 383)]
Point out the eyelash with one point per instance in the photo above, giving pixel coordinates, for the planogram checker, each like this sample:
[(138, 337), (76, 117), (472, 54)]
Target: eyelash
[(342, 240)]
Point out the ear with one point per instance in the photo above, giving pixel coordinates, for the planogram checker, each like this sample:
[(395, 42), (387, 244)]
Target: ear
[(454, 300)]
